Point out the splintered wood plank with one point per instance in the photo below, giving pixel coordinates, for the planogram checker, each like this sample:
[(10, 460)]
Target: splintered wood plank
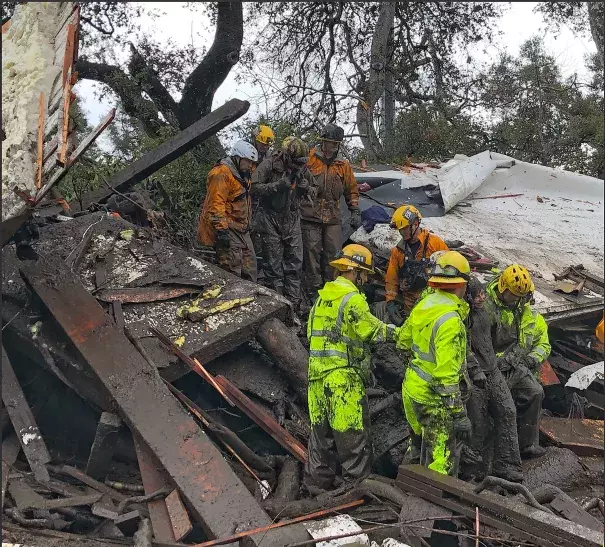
[(179, 519), (154, 478), (210, 487), (40, 156), (23, 421)]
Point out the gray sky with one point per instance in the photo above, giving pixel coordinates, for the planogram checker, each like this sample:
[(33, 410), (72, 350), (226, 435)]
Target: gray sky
[(517, 25)]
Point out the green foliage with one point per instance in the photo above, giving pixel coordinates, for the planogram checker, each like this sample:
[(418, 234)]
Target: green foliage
[(423, 133)]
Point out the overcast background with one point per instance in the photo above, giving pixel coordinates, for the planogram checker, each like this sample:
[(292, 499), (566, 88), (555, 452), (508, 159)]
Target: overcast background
[(184, 26)]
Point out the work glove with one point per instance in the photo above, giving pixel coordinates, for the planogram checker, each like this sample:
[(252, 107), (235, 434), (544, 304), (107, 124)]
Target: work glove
[(394, 315), (531, 363), (301, 182), (223, 243), (355, 217), (462, 427), (479, 379), (282, 184)]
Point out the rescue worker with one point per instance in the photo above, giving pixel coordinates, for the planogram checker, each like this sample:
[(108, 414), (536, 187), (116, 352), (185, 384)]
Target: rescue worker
[(431, 391), (262, 139), (321, 222), (520, 340), (281, 182), (226, 214), (490, 407), (407, 269), (339, 329), (600, 335)]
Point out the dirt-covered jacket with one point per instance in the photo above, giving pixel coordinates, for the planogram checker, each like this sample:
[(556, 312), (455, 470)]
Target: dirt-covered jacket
[(334, 179), (273, 197), (227, 203), (522, 329)]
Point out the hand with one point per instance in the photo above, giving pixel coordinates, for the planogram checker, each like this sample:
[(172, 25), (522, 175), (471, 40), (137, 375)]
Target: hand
[(282, 184), (462, 427), (394, 315), (479, 380), (302, 183), (355, 217), (223, 242), (531, 363)]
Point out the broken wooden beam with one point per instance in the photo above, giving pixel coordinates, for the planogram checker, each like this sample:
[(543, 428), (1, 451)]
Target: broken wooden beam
[(88, 481), (213, 492), (103, 446), (263, 420), (551, 529), (23, 421), (154, 478), (584, 437), (179, 518), (168, 151), (139, 295)]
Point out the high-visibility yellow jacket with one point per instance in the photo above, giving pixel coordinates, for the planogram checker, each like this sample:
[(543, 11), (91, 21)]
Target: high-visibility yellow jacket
[(436, 335), (340, 327), (523, 327)]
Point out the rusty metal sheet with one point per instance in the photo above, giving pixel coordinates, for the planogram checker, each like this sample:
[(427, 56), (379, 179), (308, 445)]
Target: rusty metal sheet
[(179, 518), (139, 295), (23, 421), (214, 493), (584, 437)]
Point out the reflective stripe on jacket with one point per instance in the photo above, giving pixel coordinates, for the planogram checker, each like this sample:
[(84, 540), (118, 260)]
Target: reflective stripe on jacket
[(334, 180), (429, 244), (436, 334), (339, 328), (227, 203), (523, 326)]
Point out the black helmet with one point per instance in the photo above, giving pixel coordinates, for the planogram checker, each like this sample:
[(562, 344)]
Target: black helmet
[(332, 132)]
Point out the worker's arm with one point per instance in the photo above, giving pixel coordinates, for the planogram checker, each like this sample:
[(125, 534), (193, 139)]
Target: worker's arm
[(436, 244), (404, 337), (217, 188), (261, 179), (541, 345), (351, 192), (450, 353), (391, 279), (366, 326)]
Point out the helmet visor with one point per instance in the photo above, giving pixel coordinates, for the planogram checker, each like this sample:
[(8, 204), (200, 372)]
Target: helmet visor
[(446, 271)]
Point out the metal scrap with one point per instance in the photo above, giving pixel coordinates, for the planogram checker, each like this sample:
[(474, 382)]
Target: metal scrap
[(138, 295)]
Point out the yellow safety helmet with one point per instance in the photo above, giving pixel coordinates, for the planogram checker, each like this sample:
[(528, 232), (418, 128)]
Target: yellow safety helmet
[(404, 216), (353, 257), (516, 279), (449, 269), (265, 135)]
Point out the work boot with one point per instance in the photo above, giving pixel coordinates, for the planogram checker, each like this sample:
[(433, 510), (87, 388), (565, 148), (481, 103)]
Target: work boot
[(510, 474), (534, 451)]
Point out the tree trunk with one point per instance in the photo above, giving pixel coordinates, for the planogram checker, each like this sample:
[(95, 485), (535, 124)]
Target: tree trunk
[(596, 14), (374, 87), (287, 352)]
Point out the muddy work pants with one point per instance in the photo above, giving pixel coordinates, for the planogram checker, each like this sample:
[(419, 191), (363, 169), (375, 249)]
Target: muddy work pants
[(528, 396), (339, 444), (239, 258), (321, 242), (493, 415), (282, 254), (433, 427)]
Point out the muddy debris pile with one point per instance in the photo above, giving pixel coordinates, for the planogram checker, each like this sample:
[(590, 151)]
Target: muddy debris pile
[(152, 399)]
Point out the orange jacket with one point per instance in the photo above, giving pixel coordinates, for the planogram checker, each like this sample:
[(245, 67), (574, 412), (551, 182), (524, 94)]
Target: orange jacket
[(429, 244), (333, 180), (227, 203)]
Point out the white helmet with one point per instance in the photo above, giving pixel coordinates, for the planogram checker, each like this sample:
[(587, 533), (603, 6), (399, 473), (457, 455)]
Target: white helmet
[(243, 149)]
